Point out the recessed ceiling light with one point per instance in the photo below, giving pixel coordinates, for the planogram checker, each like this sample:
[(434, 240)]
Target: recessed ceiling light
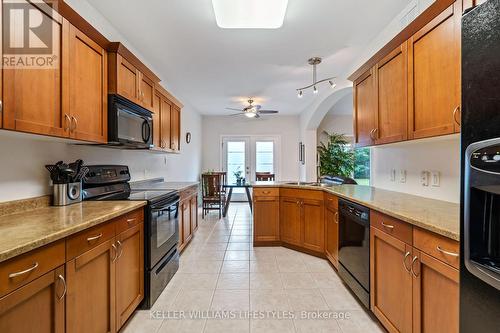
[(250, 14)]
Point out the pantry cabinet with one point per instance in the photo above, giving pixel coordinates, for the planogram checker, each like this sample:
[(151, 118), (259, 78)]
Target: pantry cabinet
[(434, 76), (266, 215)]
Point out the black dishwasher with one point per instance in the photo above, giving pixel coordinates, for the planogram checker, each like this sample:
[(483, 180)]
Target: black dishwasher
[(354, 248)]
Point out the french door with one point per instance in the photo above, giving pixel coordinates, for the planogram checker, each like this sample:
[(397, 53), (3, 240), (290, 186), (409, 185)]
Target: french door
[(248, 155)]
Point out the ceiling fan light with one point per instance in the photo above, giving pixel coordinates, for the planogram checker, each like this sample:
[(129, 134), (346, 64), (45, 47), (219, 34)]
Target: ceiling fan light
[(250, 114), (300, 94), (332, 84), (250, 14), (315, 90)]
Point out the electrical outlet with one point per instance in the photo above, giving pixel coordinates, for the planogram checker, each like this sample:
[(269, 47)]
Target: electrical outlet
[(393, 175), (435, 178), (424, 178), (402, 176)]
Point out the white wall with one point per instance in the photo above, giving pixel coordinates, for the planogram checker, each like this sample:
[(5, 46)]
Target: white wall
[(22, 172), (287, 127), (437, 154)]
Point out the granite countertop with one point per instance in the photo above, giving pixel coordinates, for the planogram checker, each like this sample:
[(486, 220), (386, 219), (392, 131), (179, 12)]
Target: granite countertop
[(30, 229), (440, 217)]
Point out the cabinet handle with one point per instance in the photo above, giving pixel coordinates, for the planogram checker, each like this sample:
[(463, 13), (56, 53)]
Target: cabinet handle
[(75, 121), (337, 217), (63, 280), (371, 134), (1, 106), (412, 265), (455, 115), (453, 254), (93, 238), (266, 192), (404, 262), (120, 246), (375, 130), (116, 252), (131, 220), (388, 226), (67, 126), (26, 271)]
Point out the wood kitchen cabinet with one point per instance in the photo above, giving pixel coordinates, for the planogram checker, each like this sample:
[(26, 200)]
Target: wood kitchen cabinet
[(313, 225), (391, 113), (166, 132), (88, 69), (266, 216), (91, 279), (188, 216), (175, 128), (290, 221), (434, 76), (332, 229), (365, 108), (130, 78), (186, 221), (129, 272), (34, 99), (194, 212)]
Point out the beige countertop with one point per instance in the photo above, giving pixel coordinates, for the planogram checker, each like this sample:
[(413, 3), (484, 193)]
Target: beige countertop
[(179, 186), (438, 216), (27, 230)]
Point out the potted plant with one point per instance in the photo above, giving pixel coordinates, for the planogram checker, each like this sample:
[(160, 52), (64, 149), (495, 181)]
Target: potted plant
[(237, 174), (336, 157)]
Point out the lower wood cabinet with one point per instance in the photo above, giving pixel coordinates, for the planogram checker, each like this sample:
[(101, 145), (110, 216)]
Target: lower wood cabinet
[(291, 221), (332, 229), (38, 306), (313, 225), (266, 215), (412, 291), (188, 216), (91, 279)]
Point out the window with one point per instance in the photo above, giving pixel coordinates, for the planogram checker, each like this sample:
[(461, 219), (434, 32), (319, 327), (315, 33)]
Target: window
[(264, 156), (235, 160), (362, 166)]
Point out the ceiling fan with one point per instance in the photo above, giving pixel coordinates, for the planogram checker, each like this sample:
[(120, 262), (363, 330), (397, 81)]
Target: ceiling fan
[(252, 111)]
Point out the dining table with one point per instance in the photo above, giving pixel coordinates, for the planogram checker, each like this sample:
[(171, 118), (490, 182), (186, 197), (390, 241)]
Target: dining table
[(230, 187)]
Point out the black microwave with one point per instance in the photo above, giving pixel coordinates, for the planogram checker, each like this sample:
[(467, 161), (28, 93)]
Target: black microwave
[(129, 125)]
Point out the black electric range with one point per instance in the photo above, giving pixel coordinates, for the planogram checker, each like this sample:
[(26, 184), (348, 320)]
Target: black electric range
[(161, 223)]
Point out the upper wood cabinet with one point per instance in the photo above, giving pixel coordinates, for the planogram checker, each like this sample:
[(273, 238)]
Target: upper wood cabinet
[(67, 100), (35, 100), (434, 76), (88, 88), (166, 133), (42, 300), (130, 78), (391, 113), (175, 128), (365, 109)]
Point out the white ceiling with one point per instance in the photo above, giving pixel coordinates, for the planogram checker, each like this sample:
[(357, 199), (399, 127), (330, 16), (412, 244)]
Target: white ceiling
[(213, 68)]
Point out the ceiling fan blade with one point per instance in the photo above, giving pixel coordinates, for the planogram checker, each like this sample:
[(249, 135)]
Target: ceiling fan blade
[(256, 116), (258, 107), (233, 109), (234, 114), (268, 111)]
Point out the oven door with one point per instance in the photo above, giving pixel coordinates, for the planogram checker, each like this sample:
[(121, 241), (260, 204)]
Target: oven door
[(164, 231)]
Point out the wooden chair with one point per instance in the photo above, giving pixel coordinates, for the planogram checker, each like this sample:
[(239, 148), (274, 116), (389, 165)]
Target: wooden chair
[(213, 196), (264, 176)]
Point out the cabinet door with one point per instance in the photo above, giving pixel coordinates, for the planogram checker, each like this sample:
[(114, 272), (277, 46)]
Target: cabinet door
[(390, 281), (392, 90), (129, 272), (175, 128), (90, 301), (35, 307), (266, 217), (434, 76), (128, 79), (157, 122), (147, 88), (165, 123), (34, 100), (186, 221), (194, 212), (87, 88), (290, 221), (332, 235), (313, 225), (435, 295), (365, 109)]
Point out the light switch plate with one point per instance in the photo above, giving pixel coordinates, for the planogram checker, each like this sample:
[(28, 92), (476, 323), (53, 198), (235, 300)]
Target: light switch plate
[(402, 176), (424, 178), (435, 178)]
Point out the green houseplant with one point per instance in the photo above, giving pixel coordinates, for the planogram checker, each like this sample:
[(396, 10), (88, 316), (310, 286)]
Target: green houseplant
[(336, 157)]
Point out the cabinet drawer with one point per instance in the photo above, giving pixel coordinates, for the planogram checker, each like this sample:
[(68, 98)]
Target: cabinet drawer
[(302, 194), (129, 220), (266, 192), (396, 228), (88, 239), (331, 202), (437, 246), (25, 268)]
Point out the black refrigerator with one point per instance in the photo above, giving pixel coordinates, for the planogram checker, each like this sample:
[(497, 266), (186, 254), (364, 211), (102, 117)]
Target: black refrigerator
[(480, 186)]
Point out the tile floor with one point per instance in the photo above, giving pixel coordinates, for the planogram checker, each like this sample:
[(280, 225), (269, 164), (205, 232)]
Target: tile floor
[(265, 289)]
